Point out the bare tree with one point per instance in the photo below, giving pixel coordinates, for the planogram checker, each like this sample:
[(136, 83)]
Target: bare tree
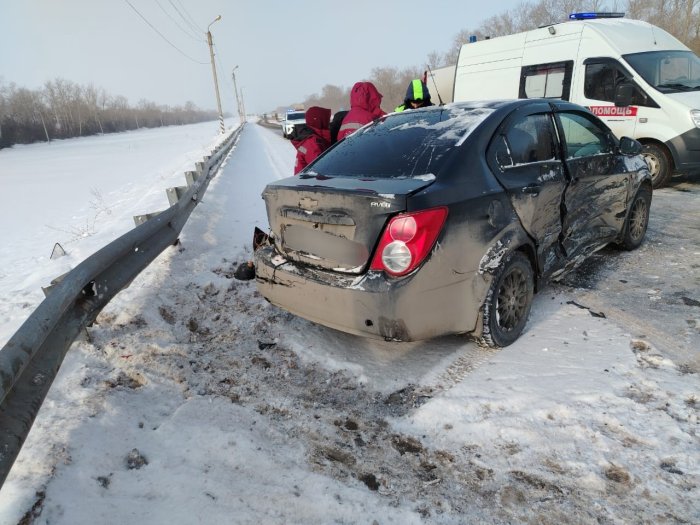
[(391, 82)]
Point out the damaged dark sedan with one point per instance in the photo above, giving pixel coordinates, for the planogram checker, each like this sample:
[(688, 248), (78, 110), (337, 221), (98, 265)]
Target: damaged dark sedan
[(448, 219)]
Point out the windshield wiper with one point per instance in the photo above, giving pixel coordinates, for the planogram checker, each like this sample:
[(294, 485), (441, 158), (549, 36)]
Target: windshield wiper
[(681, 87)]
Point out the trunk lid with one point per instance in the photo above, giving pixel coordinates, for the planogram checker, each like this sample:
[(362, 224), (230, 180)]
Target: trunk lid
[(335, 223)]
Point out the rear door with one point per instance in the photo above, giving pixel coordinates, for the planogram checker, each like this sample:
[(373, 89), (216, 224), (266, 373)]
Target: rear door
[(524, 156)]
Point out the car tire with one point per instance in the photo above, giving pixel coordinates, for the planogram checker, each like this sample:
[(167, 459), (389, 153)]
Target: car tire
[(508, 301), (659, 162), (637, 220)]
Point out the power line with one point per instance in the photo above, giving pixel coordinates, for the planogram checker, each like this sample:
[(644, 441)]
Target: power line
[(163, 37), (189, 16), (188, 22), (184, 30)]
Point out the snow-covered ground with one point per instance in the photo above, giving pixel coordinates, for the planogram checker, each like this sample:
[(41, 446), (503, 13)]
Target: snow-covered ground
[(195, 401), (82, 194)]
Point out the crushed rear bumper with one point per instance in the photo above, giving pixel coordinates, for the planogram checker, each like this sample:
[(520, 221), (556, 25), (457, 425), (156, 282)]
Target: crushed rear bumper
[(412, 308)]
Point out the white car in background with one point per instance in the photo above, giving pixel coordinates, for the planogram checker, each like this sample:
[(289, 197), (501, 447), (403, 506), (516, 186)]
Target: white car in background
[(292, 119)]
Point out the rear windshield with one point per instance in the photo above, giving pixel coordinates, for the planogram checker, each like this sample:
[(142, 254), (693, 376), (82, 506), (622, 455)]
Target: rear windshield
[(413, 143), (295, 116)]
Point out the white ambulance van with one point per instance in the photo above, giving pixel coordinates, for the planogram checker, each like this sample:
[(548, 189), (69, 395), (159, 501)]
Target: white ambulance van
[(640, 80)]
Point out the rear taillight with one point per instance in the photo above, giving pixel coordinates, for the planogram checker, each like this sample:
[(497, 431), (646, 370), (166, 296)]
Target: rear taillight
[(407, 240)]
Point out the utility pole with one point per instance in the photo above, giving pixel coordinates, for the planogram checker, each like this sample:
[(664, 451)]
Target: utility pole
[(222, 129), (241, 116)]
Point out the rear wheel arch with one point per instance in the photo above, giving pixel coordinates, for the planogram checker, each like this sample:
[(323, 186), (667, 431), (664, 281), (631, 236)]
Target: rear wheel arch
[(529, 252)]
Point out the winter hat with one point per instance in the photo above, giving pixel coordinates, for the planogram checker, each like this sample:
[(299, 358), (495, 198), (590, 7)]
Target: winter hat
[(417, 90), (317, 117)]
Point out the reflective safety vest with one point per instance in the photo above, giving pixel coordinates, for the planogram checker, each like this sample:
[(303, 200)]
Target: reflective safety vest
[(349, 127)]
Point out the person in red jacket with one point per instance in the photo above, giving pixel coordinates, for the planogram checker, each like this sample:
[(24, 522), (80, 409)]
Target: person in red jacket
[(313, 138), (365, 102)]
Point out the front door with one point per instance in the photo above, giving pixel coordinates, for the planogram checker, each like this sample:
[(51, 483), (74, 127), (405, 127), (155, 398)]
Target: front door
[(595, 200)]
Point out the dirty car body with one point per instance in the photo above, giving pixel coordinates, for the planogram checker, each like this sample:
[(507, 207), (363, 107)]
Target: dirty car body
[(445, 219)]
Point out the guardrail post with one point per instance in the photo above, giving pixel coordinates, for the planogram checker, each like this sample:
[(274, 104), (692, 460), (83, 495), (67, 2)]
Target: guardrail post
[(175, 193), (140, 219)]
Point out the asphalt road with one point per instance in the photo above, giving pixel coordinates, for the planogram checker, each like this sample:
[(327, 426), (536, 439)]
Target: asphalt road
[(655, 290)]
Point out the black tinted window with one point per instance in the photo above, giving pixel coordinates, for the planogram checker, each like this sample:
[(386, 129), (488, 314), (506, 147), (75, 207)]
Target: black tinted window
[(601, 81), (407, 144), (296, 116), (530, 139)]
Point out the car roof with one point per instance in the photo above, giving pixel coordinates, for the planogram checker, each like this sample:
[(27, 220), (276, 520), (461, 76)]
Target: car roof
[(499, 107)]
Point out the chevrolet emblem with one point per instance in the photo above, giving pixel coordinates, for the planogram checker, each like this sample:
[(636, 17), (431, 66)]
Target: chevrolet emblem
[(307, 203)]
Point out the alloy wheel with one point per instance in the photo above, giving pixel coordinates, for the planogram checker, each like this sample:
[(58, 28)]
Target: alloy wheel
[(512, 301), (638, 219)]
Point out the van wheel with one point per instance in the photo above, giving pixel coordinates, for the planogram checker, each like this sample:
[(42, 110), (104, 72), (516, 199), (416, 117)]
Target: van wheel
[(637, 220), (508, 301), (659, 162)]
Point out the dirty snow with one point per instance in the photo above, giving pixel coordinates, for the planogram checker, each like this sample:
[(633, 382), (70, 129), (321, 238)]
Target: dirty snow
[(192, 400)]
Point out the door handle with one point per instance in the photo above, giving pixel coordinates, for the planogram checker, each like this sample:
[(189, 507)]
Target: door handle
[(532, 189)]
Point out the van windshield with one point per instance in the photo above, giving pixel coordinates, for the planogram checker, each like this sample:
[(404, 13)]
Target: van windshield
[(668, 71), (296, 116)]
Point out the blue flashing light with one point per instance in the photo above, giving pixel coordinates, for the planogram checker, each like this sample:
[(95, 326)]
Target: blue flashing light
[(591, 16), (472, 39)]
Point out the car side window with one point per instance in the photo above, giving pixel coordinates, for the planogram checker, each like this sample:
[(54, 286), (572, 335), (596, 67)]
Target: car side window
[(583, 136), (530, 139)]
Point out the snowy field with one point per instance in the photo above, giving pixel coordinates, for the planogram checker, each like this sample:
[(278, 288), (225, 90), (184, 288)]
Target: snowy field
[(195, 401), (82, 194)]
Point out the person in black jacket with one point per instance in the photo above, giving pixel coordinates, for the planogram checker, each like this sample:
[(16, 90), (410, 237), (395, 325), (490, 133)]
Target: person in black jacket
[(417, 96)]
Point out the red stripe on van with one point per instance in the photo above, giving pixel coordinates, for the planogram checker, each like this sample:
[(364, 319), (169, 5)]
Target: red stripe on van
[(613, 111)]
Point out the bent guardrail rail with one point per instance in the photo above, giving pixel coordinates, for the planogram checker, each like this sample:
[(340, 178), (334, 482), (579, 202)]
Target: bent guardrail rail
[(30, 360)]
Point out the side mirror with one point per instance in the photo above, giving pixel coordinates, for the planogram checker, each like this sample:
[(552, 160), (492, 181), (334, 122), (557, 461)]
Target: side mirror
[(630, 146), (623, 94)]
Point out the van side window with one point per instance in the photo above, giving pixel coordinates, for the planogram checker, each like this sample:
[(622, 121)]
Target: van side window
[(546, 80), (530, 139), (601, 81), (583, 137)]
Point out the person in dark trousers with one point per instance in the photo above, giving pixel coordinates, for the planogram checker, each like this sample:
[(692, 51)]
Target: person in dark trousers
[(417, 96), (365, 106), (312, 138)]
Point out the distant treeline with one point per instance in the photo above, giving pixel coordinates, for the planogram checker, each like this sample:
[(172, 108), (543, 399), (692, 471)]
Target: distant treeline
[(63, 109)]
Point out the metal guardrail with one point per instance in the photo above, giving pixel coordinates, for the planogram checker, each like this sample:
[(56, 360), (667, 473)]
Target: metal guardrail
[(30, 360)]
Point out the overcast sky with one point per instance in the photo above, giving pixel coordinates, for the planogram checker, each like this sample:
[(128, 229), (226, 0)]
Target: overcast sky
[(284, 50)]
